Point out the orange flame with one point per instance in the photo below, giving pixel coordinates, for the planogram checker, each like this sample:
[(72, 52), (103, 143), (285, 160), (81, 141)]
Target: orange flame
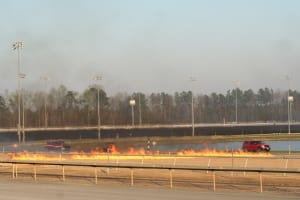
[(131, 153), (213, 152), (33, 156)]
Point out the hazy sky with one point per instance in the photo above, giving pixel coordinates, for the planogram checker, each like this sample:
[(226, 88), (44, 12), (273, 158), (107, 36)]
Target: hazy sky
[(153, 45)]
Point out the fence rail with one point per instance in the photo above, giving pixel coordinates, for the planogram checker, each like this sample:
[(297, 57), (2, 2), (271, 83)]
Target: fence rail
[(17, 165)]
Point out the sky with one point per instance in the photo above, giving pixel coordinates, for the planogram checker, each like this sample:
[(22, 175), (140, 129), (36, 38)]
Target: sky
[(151, 46)]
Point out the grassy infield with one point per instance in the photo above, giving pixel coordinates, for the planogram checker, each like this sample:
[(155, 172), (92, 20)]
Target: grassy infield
[(125, 143)]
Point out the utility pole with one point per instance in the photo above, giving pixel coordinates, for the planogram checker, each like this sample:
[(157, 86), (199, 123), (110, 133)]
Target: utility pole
[(21, 75), (140, 110), (98, 78), (192, 107), (45, 79), (17, 46), (132, 104), (236, 100), (290, 100)]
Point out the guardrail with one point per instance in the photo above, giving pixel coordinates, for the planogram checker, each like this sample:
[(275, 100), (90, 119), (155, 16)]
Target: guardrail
[(171, 169), (147, 126)]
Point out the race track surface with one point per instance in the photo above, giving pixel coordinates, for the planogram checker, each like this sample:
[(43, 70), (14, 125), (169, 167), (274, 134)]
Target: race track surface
[(21, 190)]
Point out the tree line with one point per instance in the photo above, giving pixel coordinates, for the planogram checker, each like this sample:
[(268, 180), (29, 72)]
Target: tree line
[(62, 107)]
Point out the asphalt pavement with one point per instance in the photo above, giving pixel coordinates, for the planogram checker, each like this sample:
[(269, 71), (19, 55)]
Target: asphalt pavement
[(23, 190)]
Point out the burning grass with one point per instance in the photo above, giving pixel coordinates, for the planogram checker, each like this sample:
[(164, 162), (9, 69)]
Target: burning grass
[(213, 152), (131, 154)]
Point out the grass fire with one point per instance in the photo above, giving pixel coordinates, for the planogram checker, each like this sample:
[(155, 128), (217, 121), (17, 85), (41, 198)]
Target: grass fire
[(113, 153)]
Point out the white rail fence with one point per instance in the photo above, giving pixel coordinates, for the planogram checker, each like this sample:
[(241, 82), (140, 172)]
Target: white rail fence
[(61, 166)]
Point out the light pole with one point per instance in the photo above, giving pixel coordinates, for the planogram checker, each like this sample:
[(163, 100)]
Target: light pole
[(132, 104), (192, 109), (21, 75), (236, 100), (289, 102), (140, 110), (17, 46), (98, 78), (140, 105), (45, 79), (23, 117)]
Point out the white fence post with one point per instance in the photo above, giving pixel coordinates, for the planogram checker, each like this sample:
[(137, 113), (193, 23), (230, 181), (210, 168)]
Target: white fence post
[(13, 170), (208, 164), (34, 171), (96, 176), (63, 172), (16, 171), (175, 158), (260, 182), (131, 170), (286, 165), (245, 166), (214, 180), (171, 178)]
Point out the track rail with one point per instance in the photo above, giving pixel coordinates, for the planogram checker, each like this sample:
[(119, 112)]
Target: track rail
[(62, 166)]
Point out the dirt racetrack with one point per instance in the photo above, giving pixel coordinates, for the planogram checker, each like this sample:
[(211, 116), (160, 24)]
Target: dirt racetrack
[(278, 182)]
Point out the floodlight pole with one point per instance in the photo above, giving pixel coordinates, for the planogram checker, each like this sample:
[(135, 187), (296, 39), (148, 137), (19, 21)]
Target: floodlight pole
[(17, 46), (289, 100), (192, 108), (236, 101), (98, 78), (21, 75), (289, 120), (132, 104), (23, 117), (140, 110), (45, 79)]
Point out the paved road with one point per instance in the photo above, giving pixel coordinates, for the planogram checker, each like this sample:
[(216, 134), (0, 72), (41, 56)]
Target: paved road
[(20, 190)]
